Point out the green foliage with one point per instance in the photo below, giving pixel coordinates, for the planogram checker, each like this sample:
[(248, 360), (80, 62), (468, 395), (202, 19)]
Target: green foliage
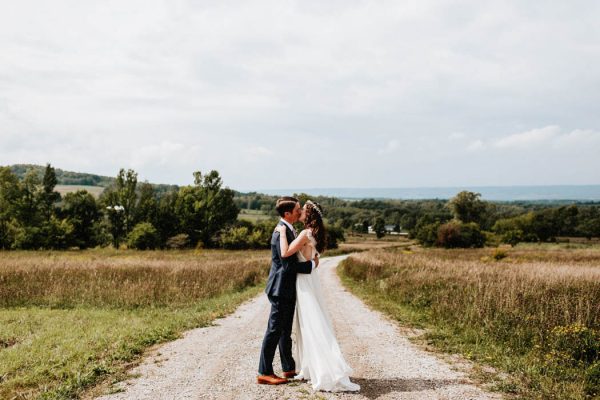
[(456, 234), (205, 208), (81, 211), (467, 207), (48, 197), (379, 227), (246, 235), (335, 235), (574, 344), (427, 234), (143, 236), (592, 379), (28, 202)]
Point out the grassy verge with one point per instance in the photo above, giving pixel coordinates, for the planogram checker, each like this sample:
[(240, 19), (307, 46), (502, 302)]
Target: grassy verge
[(98, 311), (532, 314)]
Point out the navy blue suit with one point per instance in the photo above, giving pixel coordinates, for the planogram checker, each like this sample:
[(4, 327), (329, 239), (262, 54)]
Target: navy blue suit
[(281, 291)]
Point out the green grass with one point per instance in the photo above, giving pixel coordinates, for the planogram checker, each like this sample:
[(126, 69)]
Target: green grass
[(255, 215), (533, 315), (64, 341)]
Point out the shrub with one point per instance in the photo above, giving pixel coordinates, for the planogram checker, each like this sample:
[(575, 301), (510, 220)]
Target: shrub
[(427, 234), (576, 342), (236, 238), (144, 236), (335, 234), (455, 234), (592, 379)]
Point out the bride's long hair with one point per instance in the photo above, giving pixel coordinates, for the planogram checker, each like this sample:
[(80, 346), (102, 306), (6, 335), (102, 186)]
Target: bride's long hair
[(314, 222)]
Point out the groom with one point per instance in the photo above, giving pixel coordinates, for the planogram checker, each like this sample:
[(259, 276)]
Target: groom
[(281, 291)]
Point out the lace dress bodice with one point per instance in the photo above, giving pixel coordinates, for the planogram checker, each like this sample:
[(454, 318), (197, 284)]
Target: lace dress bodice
[(312, 244)]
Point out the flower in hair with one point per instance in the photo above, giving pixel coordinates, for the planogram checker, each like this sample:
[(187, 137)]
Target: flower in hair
[(315, 207)]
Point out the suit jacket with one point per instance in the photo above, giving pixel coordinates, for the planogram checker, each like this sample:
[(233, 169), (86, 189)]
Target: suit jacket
[(282, 278)]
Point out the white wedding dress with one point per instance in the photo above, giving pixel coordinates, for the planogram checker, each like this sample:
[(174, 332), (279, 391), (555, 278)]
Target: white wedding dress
[(318, 354)]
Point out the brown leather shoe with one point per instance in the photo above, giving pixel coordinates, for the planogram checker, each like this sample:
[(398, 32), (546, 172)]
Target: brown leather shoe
[(289, 374), (270, 380)]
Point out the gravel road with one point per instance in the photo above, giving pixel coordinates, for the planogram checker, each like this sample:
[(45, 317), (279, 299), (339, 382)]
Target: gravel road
[(220, 362)]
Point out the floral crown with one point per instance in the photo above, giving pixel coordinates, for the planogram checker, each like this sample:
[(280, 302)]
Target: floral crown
[(315, 207)]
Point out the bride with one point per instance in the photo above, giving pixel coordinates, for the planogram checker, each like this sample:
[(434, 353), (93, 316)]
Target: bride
[(317, 350)]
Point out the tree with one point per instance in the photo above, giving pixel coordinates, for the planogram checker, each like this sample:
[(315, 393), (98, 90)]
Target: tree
[(457, 234), (10, 193), (81, 210), (48, 197), (467, 207), (27, 210), (379, 227), (205, 208), (119, 204), (126, 185), (147, 206)]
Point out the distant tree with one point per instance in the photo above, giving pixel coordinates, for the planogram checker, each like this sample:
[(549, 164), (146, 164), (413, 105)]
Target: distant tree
[(379, 227), (335, 235), (147, 206), (426, 233), (457, 234), (167, 221), (28, 210), (205, 208), (81, 210), (119, 204), (48, 197), (467, 207), (126, 185), (10, 193)]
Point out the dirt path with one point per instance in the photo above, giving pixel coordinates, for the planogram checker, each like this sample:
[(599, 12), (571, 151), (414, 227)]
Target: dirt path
[(220, 362)]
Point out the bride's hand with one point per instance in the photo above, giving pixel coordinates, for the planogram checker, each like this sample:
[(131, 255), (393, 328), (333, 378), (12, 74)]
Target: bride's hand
[(281, 229)]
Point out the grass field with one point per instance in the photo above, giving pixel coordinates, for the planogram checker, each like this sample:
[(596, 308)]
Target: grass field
[(95, 191), (70, 320), (531, 311), (255, 215)]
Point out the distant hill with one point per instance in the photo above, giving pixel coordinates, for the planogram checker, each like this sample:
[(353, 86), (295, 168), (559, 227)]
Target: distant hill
[(65, 177), (78, 180)]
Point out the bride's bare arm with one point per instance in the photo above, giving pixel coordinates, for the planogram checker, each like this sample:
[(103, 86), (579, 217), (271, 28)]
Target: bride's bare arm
[(292, 248)]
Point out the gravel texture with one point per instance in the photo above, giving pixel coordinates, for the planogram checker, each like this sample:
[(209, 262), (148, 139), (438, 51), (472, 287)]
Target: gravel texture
[(220, 362)]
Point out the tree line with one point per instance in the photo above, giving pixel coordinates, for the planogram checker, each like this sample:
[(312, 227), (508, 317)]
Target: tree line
[(463, 221), (33, 215)]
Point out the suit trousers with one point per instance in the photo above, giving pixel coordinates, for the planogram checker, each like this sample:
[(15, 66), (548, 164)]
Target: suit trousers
[(279, 332)]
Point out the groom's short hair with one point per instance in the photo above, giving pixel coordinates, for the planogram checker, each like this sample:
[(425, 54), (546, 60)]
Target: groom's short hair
[(285, 204)]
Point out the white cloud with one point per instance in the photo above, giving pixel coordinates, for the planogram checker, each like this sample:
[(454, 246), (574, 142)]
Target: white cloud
[(475, 145), (534, 137)]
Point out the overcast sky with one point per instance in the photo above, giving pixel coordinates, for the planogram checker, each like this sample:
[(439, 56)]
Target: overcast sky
[(282, 94)]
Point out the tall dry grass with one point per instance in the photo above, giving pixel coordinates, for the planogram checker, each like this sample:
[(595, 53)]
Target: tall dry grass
[(69, 320), (105, 278), (542, 307)]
